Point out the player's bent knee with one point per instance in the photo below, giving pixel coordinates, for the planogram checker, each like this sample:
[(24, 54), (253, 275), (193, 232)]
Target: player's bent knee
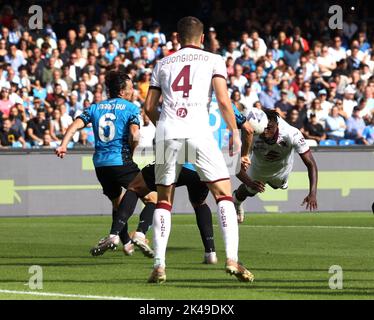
[(150, 197), (224, 198), (196, 205)]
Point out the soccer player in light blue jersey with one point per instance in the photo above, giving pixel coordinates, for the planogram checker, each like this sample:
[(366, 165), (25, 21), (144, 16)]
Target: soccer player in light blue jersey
[(115, 124)]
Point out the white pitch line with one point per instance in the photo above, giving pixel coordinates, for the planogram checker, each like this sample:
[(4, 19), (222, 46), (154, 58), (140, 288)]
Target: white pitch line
[(64, 295), (316, 227)]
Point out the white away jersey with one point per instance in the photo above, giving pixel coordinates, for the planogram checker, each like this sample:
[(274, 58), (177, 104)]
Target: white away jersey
[(277, 159), (185, 80)]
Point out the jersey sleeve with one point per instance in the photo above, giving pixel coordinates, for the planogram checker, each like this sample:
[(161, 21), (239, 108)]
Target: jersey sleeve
[(298, 142), (240, 119), (219, 69), (86, 115), (155, 79), (134, 117)]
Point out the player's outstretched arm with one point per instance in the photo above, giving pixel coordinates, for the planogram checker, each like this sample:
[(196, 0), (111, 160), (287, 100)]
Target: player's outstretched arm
[(73, 128), (151, 103), (224, 103), (259, 186), (311, 198)]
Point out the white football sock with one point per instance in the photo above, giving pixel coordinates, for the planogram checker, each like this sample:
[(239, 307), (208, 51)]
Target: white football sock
[(161, 232), (140, 234), (229, 227)]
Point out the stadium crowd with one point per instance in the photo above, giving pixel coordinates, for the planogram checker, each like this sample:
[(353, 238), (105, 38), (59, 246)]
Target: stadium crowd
[(320, 80)]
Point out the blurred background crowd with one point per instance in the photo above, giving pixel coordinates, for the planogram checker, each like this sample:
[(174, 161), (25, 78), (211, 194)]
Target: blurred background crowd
[(279, 54)]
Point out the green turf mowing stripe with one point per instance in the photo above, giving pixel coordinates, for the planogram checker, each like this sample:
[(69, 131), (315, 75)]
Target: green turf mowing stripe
[(65, 295)]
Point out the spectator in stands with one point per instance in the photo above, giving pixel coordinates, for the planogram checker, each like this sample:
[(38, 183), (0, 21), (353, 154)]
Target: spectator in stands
[(276, 51), (283, 106), (319, 113), (56, 127), (82, 93), (292, 55), (337, 51), (313, 130), (232, 50), (15, 58), (47, 141), (5, 103), (349, 101), (269, 96), (294, 119), (235, 99), (238, 80), (300, 106), (335, 125), (248, 98), (8, 136), (326, 62), (17, 119), (355, 126), (83, 140), (368, 133), (246, 61), (36, 128), (138, 31)]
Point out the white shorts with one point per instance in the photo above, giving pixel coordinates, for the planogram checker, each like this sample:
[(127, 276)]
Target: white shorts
[(203, 153), (279, 181)]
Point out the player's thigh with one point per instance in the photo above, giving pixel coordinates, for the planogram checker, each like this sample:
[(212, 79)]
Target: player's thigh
[(197, 190), (255, 175), (139, 186), (220, 189), (170, 156), (208, 159), (165, 194), (108, 180), (126, 174), (278, 182)]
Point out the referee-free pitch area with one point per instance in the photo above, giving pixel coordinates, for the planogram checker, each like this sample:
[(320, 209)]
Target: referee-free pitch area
[(290, 255)]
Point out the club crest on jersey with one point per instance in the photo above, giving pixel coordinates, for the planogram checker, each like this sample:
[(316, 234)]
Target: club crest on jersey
[(182, 112)]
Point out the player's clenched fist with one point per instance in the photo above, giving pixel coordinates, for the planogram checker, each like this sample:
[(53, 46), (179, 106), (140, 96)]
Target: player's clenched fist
[(245, 162), (61, 152)]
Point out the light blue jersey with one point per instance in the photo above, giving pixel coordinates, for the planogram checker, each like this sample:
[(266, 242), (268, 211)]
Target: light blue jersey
[(111, 120)]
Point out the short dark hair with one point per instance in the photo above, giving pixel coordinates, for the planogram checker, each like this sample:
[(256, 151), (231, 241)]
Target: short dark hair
[(189, 28), (272, 115), (115, 81)]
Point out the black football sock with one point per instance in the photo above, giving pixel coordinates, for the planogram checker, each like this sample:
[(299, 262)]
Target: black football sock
[(114, 217), (205, 224), (146, 217), (125, 210), (124, 234), (242, 193)]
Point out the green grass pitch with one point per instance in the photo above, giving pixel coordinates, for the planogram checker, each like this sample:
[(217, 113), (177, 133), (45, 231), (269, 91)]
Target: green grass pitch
[(289, 254)]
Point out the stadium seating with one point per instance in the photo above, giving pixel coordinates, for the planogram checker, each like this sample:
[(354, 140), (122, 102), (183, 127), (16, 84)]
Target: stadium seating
[(328, 143), (347, 142)]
